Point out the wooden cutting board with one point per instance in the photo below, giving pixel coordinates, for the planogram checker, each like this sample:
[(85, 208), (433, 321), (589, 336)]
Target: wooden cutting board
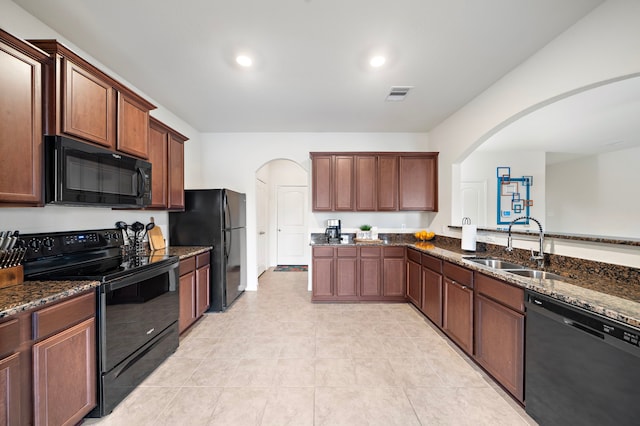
[(156, 239)]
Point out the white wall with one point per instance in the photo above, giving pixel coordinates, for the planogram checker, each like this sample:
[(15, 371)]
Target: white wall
[(591, 194), (230, 160), (604, 45), (19, 23)]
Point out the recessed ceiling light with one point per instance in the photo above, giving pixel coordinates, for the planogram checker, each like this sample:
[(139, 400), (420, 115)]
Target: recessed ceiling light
[(244, 61), (377, 61)]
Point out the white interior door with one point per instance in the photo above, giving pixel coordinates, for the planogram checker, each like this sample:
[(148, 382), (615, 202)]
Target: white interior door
[(474, 202), (262, 209), (292, 221)]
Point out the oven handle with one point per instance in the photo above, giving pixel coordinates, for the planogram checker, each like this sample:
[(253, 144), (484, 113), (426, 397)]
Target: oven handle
[(135, 359), (137, 277)]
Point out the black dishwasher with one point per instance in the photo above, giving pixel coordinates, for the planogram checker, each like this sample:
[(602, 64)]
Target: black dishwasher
[(580, 368)]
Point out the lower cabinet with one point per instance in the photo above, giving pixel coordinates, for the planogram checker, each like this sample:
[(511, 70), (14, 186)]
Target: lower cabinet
[(432, 289), (48, 366), (499, 332), (351, 273), (457, 312), (414, 278), (194, 289)]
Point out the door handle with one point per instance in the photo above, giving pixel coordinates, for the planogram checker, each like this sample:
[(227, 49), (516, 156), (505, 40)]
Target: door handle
[(261, 233)]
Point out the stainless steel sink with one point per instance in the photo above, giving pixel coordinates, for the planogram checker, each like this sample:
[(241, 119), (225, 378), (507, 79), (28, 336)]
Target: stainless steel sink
[(494, 263), (542, 275)]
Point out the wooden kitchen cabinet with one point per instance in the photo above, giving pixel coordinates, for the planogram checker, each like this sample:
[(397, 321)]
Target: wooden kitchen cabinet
[(393, 274), (10, 390), (370, 272), (457, 321), (194, 289), (370, 181), (346, 266), (84, 102), (166, 154), (432, 289), (21, 152), (499, 332), (418, 182), (414, 277), (322, 273)]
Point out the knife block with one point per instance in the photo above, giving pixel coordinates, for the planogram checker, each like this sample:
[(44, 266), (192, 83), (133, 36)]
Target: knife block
[(11, 276)]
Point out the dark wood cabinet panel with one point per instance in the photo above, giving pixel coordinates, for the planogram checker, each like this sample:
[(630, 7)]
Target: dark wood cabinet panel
[(344, 184), (202, 283), (418, 178), (393, 278), (64, 375), (387, 183), (346, 277), (365, 187), (322, 278), (159, 159), (370, 277), (88, 105), (187, 300), (431, 303), (457, 320), (500, 344), (10, 390), (414, 282), (322, 182), (133, 127), (20, 122), (176, 172)]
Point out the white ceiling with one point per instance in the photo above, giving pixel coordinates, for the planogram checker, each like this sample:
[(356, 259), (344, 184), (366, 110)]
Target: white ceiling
[(602, 119), (310, 73)]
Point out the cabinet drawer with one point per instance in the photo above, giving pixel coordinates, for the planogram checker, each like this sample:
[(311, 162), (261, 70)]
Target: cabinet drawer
[(50, 320), (187, 265), (458, 274), (370, 251), (413, 255), (323, 252), (504, 293), (432, 263), (347, 251), (9, 337), (203, 259), (394, 251)]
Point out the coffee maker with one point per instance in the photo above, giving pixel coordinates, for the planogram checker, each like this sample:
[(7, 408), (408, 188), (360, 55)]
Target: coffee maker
[(333, 231)]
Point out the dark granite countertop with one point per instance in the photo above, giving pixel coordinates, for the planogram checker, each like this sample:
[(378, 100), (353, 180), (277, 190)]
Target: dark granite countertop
[(184, 252), (594, 291), (33, 294)]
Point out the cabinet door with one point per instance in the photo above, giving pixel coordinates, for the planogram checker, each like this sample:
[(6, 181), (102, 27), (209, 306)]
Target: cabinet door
[(322, 278), (414, 282), (500, 344), (344, 184), (187, 300), (10, 390), (88, 106), (133, 127), (158, 156), (346, 277), (202, 286), (393, 284), (387, 185), (458, 314), (322, 182), (64, 375), (20, 128), (431, 304), (418, 183), (365, 183), (176, 173), (370, 272)]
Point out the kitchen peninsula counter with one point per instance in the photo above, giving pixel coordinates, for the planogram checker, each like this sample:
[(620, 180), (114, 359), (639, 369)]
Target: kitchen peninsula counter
[(617, 299)]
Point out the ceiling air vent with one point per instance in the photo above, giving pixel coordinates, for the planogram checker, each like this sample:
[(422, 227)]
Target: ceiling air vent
[(398, 93)]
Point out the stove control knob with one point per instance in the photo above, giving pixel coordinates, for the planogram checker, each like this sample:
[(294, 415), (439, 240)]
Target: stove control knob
[(107, 236), (34, 244), (116, 236), (48, 242)]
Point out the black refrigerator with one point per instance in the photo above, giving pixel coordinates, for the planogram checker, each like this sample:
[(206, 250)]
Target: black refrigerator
[(215, 217)]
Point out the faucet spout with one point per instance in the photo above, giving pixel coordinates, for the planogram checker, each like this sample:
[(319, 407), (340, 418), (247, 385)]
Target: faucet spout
[(540, 256)]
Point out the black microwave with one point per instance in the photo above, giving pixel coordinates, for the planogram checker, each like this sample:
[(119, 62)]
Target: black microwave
[(78, 173)]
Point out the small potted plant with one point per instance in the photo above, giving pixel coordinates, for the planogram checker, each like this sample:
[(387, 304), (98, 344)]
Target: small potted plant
[(365, 233)]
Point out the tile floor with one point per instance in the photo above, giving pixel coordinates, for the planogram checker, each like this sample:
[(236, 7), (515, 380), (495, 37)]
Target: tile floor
[(275, 358)]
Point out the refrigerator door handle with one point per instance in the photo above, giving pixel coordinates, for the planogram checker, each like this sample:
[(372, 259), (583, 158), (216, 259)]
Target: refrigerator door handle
[(226, 212)]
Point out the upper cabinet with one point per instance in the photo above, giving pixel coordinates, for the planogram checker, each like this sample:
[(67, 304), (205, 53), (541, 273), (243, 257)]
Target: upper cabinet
[(20, 122), (84, 102), (166, 153), (369, 181)]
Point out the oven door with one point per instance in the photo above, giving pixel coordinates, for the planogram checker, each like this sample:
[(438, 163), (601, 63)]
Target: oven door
[(78, 173)]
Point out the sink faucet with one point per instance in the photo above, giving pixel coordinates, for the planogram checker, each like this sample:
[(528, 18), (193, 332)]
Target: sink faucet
[(540, 256)]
